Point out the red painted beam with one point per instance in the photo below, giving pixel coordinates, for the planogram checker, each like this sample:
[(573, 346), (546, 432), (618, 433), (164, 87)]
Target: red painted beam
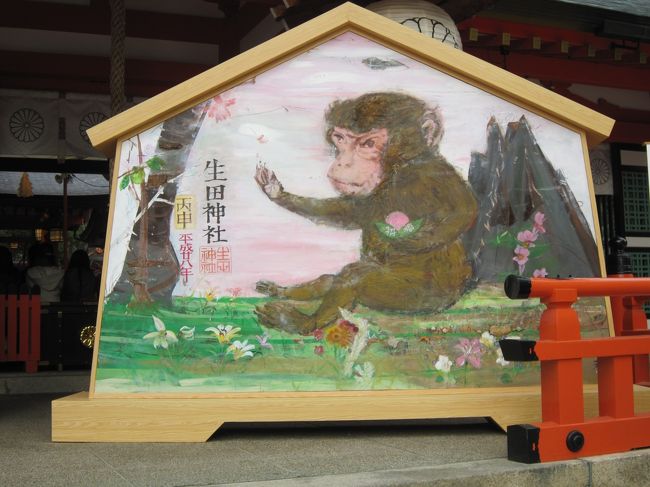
[(241, 23), (567, 70), (547, 34), (91, 67), (619, 113), (133, 88), (630, 133), (250, 14), (603, 106), (89, 74), (631, 127), (95, 19)]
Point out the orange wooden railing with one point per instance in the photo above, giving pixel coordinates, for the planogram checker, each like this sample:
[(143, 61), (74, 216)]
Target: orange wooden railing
[(627, 311), (564, 432), (20, 328)]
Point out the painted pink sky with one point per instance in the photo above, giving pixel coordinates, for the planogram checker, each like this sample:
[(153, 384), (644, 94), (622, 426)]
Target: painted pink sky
[(278, 120)]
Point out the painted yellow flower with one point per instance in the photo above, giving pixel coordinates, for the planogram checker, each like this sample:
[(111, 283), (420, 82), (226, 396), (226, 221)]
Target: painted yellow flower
[(224, 333), (241, 349), (341, 334), (210, 295)]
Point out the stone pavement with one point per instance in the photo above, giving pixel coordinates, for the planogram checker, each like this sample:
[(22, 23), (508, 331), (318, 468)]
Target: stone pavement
[(438, 453)]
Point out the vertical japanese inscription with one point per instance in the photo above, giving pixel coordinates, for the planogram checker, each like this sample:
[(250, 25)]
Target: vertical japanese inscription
[(215, 259), (184, 212), (214, 209), (186, 251)]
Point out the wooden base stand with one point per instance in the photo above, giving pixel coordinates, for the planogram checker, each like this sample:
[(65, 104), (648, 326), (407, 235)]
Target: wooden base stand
[(78, 418)]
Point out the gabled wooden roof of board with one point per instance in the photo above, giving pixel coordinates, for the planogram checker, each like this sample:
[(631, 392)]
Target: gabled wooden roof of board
[(350, 18)]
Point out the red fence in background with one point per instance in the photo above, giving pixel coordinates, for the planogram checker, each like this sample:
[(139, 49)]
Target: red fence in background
[(20, 329)]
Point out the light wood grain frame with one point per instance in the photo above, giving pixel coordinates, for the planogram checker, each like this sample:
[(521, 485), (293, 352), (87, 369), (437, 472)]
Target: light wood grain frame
[(146, 417)]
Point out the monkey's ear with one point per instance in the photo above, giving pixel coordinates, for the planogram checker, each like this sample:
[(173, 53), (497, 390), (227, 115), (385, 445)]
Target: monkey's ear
[(432, 128)]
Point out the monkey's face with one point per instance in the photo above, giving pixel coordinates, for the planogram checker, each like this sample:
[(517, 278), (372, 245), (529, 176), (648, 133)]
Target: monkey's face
[(358, 168)]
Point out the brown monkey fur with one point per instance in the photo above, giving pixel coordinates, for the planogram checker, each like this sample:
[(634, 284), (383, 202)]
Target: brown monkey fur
[(422, 272)]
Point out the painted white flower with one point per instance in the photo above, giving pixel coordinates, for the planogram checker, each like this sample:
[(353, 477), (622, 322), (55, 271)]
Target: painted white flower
[(358, 343), (500, 360), (443, 364), (187, 333), (393, 342), (487, 339), (241, 349), (224, 333), (364, 375), (161, 337)]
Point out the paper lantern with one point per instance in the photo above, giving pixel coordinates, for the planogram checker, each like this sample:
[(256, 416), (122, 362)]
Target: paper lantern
[(421, 16), (25, 187)]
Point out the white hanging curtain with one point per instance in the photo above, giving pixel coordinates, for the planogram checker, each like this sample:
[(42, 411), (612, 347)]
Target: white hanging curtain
[(29, 126), (80, 115)]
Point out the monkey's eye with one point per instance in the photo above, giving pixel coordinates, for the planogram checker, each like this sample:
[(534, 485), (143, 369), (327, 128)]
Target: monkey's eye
[(368, 144), (337, 138)]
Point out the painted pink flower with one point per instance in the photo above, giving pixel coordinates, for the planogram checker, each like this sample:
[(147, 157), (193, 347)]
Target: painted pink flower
[(149, 150), (470, 352), (540, 272), (526, 238), (538, 226), (521, 257), (318, 334), (235, 291), (219, 108), (397, 220), (264, 341), (318, 350)]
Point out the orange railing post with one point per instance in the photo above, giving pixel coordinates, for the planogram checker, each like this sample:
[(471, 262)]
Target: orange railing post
[(564, 433), (627, 311)]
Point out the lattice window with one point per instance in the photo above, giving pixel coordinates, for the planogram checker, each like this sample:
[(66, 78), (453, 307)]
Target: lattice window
[(641, 263), (635, 201), (641, 268)]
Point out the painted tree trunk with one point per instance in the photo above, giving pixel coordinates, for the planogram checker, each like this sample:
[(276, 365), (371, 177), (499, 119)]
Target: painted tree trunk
[(151, 268)]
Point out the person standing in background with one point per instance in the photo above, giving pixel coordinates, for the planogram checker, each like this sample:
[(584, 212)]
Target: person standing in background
[(79, 281), (44, 273)]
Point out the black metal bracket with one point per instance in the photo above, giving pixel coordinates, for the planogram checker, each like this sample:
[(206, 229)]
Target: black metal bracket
[(518, 350), (523, 443)]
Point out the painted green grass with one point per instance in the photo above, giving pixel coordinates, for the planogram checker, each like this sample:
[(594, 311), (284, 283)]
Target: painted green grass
[(398, 352)]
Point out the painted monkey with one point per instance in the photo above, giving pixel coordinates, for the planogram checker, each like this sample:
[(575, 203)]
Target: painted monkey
[(409, 202)]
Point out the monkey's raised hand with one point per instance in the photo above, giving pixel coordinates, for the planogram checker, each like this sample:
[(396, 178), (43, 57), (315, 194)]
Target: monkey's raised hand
[(268, 181), (269, 288)]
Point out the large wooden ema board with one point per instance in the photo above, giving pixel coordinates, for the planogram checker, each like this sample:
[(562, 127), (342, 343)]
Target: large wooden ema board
[(319, 229)]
